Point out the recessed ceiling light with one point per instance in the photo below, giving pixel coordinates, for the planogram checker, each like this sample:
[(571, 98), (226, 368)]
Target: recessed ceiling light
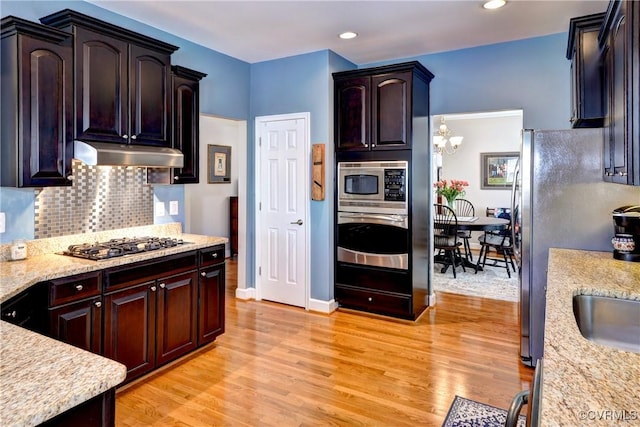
[(348, 35), (494, 4)]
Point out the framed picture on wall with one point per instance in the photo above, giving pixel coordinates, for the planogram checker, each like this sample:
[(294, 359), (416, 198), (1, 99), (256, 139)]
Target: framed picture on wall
[(497, 170), (219, 164)]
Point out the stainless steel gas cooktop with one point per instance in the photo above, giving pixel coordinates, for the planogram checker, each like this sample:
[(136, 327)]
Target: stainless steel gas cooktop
[(121, 247)]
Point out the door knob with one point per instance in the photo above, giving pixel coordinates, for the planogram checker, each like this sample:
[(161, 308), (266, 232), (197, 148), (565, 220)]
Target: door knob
[(299, 222)]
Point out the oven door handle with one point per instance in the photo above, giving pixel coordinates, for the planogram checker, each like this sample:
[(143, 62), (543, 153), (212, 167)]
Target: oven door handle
[(393, 220)]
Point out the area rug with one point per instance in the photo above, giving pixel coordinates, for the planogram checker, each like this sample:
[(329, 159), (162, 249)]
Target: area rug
[(491, 283), (469, 413)]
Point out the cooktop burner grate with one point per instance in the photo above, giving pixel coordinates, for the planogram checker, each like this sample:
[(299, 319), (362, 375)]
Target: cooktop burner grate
[(120, 247)]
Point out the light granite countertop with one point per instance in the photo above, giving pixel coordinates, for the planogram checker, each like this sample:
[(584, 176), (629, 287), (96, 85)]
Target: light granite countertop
[(585, 383), (45, 263), (41, 377)]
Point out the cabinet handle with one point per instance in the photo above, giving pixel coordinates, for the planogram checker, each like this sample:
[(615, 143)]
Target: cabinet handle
[(79, 288), (215, 254), (97, 304), (621, 173), (162, 285), (12, 314), (203, 274), (134, 137), (70, 178), (153, 288)]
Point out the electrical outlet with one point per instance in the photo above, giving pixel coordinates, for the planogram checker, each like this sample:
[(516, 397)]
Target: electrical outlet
[(3, 222), (173, 207), (160, 209)]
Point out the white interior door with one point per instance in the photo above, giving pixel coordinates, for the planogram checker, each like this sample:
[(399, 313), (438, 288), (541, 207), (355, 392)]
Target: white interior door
[(282, 234)]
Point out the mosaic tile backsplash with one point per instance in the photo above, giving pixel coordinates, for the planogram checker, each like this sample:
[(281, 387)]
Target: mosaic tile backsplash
[(101, 198)]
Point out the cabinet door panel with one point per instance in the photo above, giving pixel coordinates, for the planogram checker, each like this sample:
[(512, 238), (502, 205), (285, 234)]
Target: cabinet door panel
[(185, 111), (101, 87), (149, 97), (177, 300), (211, 303), (353, 113), (130, 328), (78, 324), (391, 115), (47, 109)]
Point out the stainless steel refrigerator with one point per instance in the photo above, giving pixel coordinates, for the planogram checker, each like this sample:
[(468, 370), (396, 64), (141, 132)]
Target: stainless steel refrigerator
[(558, 200)]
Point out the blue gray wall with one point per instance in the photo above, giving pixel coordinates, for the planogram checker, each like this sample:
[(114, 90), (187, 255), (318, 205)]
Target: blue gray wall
[(531, 74)]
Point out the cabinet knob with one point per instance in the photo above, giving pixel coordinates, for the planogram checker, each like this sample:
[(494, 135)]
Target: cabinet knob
[(621, 173), (134, 137), (203, 274), (176, 178), (79, 288), (70, 178), (125, 136), (153, 288), (215, 254), (370, 299), (98, 304), (11, 314), (162, 285)]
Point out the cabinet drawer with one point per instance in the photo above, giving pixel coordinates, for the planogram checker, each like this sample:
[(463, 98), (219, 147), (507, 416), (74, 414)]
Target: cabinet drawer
[(374, 302), (212, 255), (74, 288)]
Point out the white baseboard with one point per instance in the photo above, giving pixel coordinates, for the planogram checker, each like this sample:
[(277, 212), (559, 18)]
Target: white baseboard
[(246, 293), (431, 299), (323, 306)]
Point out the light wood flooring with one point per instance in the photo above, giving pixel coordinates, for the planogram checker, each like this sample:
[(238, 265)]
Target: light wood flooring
[(278, 365)]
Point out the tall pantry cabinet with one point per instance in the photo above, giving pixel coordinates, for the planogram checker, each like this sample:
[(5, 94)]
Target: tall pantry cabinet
[(382, 114)]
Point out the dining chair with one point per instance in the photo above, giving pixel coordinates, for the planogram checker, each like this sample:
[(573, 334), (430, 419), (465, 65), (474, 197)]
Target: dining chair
[(501, 243), (465, 208), (445, 238)]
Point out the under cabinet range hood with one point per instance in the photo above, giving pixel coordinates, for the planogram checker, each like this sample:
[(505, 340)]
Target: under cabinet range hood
[(110, 154)]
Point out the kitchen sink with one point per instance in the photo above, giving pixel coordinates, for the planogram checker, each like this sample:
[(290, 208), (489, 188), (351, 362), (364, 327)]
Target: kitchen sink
[(614, 322)]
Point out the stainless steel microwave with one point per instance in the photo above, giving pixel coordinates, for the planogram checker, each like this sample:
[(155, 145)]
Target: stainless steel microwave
[(373, 186)]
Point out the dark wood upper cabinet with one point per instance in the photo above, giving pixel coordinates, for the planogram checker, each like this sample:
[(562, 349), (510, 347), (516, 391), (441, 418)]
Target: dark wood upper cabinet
[(587, 107), (374, 108), (186, 122), (352, 113), (122, 82), (620, 42), (37, 108)]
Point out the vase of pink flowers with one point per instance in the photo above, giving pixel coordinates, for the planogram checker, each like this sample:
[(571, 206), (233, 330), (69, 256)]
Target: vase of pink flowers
[(451, 190)]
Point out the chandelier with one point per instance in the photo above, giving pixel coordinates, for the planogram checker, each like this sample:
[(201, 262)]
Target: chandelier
[(442, 136)]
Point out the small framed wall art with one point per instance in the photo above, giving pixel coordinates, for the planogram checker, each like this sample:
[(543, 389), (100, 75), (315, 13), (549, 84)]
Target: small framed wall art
[(498, 170), (219, 164)]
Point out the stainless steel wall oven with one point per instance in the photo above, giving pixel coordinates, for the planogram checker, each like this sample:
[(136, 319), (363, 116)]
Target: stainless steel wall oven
[(380, 240), (372, 218)]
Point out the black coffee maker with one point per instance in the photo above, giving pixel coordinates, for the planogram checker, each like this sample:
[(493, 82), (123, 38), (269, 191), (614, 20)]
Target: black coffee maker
[(626, 242)]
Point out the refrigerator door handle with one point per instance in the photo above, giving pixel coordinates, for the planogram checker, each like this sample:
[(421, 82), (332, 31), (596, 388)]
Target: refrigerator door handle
[(515, 214)]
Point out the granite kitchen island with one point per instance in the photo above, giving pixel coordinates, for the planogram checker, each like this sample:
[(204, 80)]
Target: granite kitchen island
[(40, 377)]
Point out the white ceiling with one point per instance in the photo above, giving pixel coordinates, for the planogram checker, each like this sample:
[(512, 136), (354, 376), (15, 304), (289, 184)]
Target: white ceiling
[(255, 31)]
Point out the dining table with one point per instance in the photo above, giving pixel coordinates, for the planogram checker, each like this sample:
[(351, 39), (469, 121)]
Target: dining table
[(477, 223)]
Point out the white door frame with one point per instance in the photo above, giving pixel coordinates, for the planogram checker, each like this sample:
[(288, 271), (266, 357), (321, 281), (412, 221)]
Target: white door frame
[(306, 116)]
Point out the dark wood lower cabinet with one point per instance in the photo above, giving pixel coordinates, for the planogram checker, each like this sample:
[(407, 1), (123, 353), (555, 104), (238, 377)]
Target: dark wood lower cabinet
[(211, 313), (99, 411), (176, 319), (78, 324), (129, 328)]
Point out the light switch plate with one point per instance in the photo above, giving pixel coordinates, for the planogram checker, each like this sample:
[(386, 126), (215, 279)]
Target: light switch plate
[(160, 209), (3, 222), (173, 207)]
